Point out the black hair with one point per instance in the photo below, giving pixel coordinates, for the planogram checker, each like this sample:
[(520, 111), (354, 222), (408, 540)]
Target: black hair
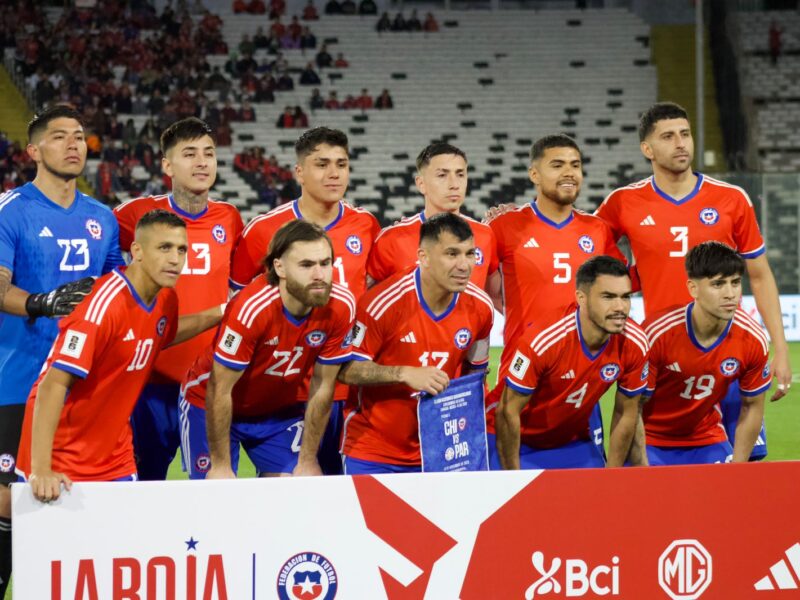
[(184, 130), (660, 111), (297, 230), (436, 149), (159, 216), (433, 228), (312, 138), (712, 259), (596, 266), (60, 111), (554, 140)]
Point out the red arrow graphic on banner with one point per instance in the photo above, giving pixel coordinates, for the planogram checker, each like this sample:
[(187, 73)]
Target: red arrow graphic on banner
[(402, 527)]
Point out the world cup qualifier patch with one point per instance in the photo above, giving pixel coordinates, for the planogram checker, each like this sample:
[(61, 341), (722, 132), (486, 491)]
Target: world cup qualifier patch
[(307, 576), (729, 367), (609, 372), (709, 216), (354, 245)]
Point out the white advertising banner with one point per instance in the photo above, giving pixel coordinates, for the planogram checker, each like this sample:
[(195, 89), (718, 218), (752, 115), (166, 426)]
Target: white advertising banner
[(790, 305)]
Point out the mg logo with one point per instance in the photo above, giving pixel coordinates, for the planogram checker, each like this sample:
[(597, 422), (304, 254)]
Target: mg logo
[(684, 570)]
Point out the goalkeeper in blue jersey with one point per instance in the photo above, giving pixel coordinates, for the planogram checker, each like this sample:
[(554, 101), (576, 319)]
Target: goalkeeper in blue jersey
[(53, 241)]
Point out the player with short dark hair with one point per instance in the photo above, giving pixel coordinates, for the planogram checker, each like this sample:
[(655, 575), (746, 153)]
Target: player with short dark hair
[(442, 180), (697, 351), (53, 241), (670, 212), (414, 332), (540, 246), (285, 326), (323, 171), (560, 369), (190, 160), (77, 418)]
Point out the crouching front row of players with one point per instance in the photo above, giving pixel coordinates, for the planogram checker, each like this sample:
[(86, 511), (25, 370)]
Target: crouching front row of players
[(267, 382)]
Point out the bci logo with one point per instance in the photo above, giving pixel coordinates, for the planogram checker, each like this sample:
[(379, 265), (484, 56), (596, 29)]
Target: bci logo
[(577, 578)]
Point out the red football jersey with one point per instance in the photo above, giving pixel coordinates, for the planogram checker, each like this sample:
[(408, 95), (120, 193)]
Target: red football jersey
[(275, 350), (352, 233), (687, 381), (539, 259), (661, 230), (395, 250), (110, 342), (203, 282), (394, 326), (566, 380)]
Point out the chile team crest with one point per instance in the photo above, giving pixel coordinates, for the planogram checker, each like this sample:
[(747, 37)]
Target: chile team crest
[(729, 367), (709, 216), (354, 245), (7, 463), (609, 372), (586, 244), (478, 257), (219, 234), (95, 229), (307, 576), (161, 325), (316, 338), (463, 338)]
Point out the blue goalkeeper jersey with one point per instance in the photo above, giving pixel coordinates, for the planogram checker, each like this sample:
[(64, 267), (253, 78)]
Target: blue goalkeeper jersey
[(45, 246)]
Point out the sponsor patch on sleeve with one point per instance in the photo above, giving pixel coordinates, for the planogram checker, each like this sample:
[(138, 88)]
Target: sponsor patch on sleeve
[(74, 341), (229, 341), (359, 330), (519, 365)]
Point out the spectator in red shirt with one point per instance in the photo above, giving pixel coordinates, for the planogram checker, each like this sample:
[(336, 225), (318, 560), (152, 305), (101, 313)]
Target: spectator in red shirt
[(277, 8), (286, 119), (430, 24), (332, 103), (295, 29), (257, 7), (310, 12), (300, 118), (350, 102), (340, 62), (278, 29), (247, 113), (239, 7), (364, 100)]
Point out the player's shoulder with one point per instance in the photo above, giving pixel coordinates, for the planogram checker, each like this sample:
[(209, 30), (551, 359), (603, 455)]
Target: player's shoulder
[(257, 298), (108, 296), (752, 330), (143, 204), (634, 333), (634, 189), (386, 294), (357, 212), (729, 190), (407, 226), (587, 219), (479, 298), (271, 220), (11, 201), (342, 300), (516, 214), (663, 321), (549, 330), (222, 207)]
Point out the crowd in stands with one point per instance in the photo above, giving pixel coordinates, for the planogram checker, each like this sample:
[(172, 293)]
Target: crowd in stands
[(412, 24), (351, 102), (16, 167), (275, 184)]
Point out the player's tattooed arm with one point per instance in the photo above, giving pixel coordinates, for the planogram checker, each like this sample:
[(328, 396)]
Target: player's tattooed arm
[(12, 299), (422, 379), (507, 425)]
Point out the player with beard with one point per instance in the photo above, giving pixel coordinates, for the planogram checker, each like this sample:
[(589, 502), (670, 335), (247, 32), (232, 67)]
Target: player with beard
[(540, 247), (667, 214), (286, 324), (53, 241), (560, 369)]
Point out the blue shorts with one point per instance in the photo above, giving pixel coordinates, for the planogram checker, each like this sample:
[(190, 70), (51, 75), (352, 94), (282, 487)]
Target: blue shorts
[(355, 466), (330, 460), (581, 454), (660, 456), (596, 430), (156, 430), (731, 406), (272, 444)]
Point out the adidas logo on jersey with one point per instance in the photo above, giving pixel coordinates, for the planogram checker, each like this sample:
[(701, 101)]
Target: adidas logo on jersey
[(648, 220), (674, 367), (272, 341), (409, 338), (129, 336), (781, 573), (531, 243), (568, 375), (45, 232)]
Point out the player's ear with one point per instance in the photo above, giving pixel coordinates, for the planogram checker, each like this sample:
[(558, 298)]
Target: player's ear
[(580, 297), (646, 150), (533, 174), (422, 256), (278, 266), (136, 251), (33, 151), (420, 183), (691, 285), (298, 173), (166, 166)]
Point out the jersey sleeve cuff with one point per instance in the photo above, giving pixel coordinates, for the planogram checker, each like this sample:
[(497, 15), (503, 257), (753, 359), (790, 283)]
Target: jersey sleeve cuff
[(335, 360), (518, 387), (648, 392), (755, 253), (756, 392), (360, 356), (231, 364), (235, 285), (70, 368), (631, 393)]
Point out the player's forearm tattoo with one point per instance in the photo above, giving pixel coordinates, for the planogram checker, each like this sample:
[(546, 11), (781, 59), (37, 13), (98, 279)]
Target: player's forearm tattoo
[(368, 373), (5, 283)]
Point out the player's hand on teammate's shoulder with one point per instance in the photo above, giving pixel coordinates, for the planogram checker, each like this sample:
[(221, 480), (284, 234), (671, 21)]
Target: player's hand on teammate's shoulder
[(425, 379), (307, 468), (220, 472), (46, 486), (61, 301), (496, 211)]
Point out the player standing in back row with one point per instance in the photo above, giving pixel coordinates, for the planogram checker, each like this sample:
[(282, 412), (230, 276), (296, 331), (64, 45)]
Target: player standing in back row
[(667, 214), (190, 160)]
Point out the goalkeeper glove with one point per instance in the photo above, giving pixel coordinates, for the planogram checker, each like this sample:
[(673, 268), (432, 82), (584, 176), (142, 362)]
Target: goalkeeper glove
[(60, 301)]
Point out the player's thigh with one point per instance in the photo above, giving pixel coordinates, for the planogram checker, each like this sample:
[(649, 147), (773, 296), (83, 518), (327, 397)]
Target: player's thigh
[(272, 444), (689, 455), (194, 442)]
